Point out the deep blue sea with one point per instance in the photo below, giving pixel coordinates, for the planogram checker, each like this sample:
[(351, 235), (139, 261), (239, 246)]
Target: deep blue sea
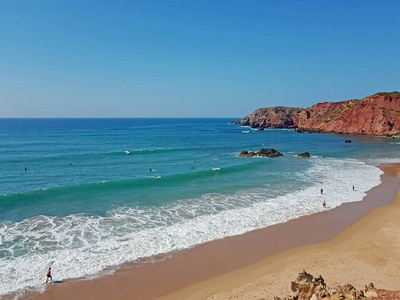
[(83, 195)]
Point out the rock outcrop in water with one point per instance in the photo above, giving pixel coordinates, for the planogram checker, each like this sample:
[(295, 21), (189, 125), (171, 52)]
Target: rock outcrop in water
[(378, 114), (262, 153), (306, 287), (305, 154)]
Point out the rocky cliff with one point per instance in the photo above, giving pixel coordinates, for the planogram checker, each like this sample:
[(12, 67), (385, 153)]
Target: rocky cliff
[(378, 114)]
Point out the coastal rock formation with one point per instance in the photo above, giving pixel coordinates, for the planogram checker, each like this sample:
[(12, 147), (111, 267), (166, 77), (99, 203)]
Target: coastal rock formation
[(378, 114), (275, 117), (305, 154), (307, 287), (262, 153)]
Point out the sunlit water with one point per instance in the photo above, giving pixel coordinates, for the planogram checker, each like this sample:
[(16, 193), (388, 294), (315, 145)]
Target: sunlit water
[(84, 204)]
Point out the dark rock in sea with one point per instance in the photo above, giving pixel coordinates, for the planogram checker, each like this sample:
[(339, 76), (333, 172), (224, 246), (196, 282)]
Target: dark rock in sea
[(246, 154), (260, 128), (305, 154), (269, 153), (235, 122), (262, 153), (347, 141)]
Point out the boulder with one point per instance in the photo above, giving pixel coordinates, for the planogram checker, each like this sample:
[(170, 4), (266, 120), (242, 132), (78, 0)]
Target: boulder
[(262, 153), (269, 153), (305, 154), (307, 287), (247, 154)]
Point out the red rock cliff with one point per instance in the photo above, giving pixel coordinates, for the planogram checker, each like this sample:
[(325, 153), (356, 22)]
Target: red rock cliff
[(378, 114)]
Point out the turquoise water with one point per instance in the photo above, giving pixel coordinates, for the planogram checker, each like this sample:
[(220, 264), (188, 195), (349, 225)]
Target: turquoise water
[(83, 203)]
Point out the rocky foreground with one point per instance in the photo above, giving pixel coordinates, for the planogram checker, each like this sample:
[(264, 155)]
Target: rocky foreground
[(378, 114), (306, 287)]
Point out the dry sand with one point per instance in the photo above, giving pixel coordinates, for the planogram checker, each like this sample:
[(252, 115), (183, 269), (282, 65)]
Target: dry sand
[(261, 263)]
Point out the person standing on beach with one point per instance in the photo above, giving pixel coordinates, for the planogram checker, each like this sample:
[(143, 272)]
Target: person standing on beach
[(49, 275)]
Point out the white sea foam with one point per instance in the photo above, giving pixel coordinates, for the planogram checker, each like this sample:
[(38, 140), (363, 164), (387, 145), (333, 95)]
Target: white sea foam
[(81, 245), (384, 160)]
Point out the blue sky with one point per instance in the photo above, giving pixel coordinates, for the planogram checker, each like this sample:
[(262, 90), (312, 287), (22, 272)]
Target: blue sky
[(192, 58)]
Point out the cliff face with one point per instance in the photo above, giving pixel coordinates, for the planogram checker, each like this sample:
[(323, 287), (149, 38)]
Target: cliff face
[(378, 114), (275, 117)]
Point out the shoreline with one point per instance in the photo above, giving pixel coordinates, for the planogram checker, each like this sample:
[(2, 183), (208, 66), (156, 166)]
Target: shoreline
[(203, 270)]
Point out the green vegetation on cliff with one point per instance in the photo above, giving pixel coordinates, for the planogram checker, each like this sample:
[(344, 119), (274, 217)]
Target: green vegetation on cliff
[(394, 93)]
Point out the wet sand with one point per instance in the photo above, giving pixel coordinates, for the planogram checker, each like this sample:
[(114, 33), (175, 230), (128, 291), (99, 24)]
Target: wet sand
[(342, 244)]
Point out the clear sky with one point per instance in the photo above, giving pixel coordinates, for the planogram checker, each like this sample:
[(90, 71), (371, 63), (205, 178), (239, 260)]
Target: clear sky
[(193, 58)]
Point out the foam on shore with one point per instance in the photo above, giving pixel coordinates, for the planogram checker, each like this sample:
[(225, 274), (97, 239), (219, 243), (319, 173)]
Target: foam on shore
[(80, 245)]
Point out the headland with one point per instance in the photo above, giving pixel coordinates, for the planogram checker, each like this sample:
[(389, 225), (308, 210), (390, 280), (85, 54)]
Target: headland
[(378, 114)]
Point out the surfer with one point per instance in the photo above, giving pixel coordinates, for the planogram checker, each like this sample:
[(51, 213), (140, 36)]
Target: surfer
[(26, 169), (353, 187), (49, 275)]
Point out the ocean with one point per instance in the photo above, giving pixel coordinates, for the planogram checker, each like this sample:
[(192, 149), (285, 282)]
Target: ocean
[(84, 196)]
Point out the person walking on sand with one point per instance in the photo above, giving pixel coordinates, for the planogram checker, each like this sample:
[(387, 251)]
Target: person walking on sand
[(49, 275)]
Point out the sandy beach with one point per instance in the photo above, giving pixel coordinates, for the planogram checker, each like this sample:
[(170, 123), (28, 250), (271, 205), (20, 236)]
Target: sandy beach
[(356, 243)]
